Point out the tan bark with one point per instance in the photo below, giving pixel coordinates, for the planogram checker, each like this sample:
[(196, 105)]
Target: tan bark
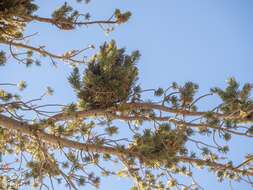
[(32, 131), (147, 106)]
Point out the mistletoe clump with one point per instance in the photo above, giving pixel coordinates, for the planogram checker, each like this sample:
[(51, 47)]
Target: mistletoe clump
[(109, 78), (159, 148), (12, 13)]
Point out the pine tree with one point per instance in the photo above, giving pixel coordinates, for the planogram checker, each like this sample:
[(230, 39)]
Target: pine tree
[(74, 145)]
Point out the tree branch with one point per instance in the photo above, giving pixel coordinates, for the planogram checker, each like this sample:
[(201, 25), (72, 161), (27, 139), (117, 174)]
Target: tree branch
[(59, 22), (146, 106), (32, 131), (215, 165), (41, 51)]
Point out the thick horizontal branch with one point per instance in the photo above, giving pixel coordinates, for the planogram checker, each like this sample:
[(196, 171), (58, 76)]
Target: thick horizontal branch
[(145, 106), (111, 114), (32, 131)]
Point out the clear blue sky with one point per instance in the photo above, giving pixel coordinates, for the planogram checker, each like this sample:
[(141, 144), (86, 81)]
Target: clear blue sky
[(204, 41)]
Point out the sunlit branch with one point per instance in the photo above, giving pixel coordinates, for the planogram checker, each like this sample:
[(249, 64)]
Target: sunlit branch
[(215, 165), (31, 130), (146, 106)]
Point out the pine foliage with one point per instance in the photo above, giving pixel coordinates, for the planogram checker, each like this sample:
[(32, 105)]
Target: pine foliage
[(11, 25), (109, 78), (236, 100), (165, 132), (159, 148), (66, 15)]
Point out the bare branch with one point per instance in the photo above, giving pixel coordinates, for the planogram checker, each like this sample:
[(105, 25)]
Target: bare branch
[(41, 51), (58, 23)]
